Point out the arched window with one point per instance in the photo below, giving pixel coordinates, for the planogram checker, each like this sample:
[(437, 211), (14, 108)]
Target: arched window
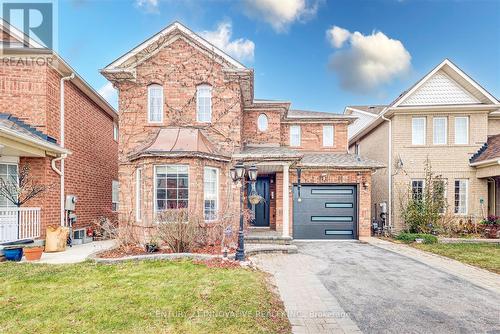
[(204, 103), (262, 122), (155, 103)]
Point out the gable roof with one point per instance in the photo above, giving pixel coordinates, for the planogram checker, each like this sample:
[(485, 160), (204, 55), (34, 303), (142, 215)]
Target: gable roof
[(372, 110), (485, 101), (445, 84), (294, 114), (163, 37)]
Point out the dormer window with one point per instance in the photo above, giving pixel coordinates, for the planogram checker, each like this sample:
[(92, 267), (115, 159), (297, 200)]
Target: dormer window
[(155, 103), (204, 103)]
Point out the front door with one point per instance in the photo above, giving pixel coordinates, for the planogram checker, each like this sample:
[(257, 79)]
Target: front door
[(261, 210)]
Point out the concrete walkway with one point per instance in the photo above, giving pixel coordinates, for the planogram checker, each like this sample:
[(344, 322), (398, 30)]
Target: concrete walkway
[(77, 253), (474, 275)]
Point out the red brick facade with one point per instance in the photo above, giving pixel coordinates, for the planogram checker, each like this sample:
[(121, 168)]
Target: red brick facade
[(31, 92), (179, 66)]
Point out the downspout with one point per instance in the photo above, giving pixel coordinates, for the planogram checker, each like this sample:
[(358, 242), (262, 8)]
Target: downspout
[(61, 140), (389, 169)]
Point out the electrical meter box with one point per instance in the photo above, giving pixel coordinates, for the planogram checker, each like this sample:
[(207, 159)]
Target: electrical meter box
[(70, 203)]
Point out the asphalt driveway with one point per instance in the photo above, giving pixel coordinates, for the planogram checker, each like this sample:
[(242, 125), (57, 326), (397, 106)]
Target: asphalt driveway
[(384, 292)]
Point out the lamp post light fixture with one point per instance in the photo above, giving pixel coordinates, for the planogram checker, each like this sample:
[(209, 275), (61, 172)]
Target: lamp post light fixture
[(238, 175)]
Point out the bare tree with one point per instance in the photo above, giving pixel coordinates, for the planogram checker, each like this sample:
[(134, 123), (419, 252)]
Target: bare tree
[(19, 189)]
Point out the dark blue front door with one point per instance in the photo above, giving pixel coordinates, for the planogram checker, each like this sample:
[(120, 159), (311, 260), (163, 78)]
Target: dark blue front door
[(261, 210)]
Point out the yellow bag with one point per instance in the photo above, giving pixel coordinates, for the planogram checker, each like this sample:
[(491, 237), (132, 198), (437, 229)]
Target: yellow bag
[(55, 240)]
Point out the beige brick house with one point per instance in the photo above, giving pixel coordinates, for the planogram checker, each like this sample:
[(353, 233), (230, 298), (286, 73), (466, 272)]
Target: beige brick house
[(446, 117), (187, 114)]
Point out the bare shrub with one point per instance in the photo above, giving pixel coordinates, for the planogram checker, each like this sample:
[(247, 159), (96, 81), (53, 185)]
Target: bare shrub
[(125, 233), (181, 231)]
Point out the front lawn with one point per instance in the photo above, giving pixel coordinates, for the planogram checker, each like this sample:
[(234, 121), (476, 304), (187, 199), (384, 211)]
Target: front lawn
[(484, 255), (137, 297)]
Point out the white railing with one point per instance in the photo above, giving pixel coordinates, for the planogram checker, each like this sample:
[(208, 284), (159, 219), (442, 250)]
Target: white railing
[(19, 223)]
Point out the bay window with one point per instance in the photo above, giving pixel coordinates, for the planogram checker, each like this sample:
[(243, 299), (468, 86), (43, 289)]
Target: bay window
[(210, 192), (171, 187)]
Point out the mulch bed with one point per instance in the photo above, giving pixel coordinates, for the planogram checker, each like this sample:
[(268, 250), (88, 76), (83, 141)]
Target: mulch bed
[(219, 263), (138, 250)]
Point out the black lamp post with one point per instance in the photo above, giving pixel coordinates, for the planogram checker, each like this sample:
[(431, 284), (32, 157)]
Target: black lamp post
[(238, 175)]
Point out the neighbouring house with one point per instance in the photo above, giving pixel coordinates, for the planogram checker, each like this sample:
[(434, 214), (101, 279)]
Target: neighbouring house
[(39, 92), (446, 117), (187, 114)]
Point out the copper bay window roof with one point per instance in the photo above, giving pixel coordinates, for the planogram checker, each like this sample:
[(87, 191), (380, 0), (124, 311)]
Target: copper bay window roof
[(181, 142)]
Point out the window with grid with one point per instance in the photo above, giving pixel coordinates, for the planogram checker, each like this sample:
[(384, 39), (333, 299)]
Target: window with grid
[(417, 189), (155, 103), (328, 135), (8, 173), (461, 130), (204, 103), (211, 191), (440, 131), (440, 195), (461, 197), (295, 135), (418, 131), (172, 187), (114, 195)]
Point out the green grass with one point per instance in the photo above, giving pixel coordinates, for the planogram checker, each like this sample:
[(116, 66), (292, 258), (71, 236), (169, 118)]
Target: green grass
[(138, 297), (483, 255)]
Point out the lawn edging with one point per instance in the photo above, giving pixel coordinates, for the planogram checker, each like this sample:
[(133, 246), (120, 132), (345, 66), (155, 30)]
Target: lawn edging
[(468, 241)]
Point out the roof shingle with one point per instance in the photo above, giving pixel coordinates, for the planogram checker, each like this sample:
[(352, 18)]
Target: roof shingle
[(490, 150)]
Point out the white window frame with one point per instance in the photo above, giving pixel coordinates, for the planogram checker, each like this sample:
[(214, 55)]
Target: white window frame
[(466, 118), (138, 194), (434, 139), (466, 194), (201, 89), (150, 118), (413, 132), (299, 134), (115, 131), (155, 208), (328, 130), (211, 197), (9, 204), (262, 127), (115, 195)]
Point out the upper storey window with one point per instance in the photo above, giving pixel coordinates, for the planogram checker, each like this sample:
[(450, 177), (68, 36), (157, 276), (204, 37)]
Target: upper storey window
[(204, 103), (440, 130), (418, 131), (155, 103), (262, 122), (461, 130), (328, 135), (295, 135)]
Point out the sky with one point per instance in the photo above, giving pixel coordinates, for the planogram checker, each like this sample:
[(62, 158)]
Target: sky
[(320, 55)]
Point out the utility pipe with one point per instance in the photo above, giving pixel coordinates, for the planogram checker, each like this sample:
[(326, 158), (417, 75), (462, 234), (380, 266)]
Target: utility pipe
[(61, 140), (389, 170)]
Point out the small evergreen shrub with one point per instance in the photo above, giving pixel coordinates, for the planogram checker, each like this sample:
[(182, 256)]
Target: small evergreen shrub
[(410, 237)]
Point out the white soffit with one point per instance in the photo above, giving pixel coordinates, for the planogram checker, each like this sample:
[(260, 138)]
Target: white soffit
[(440, 89)]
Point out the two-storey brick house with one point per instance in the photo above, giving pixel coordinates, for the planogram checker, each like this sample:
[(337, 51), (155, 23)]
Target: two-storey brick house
[(445, 117), (187, 114), (52, 120)]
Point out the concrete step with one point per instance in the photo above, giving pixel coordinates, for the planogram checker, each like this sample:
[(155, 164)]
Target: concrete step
[(268, 239), (253, 249)]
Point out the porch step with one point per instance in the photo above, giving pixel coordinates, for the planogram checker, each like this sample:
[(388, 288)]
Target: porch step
[(268, 239), (253, 249)]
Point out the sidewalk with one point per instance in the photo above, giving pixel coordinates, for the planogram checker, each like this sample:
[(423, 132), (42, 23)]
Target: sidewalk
[(76, 254), (477, 276)]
